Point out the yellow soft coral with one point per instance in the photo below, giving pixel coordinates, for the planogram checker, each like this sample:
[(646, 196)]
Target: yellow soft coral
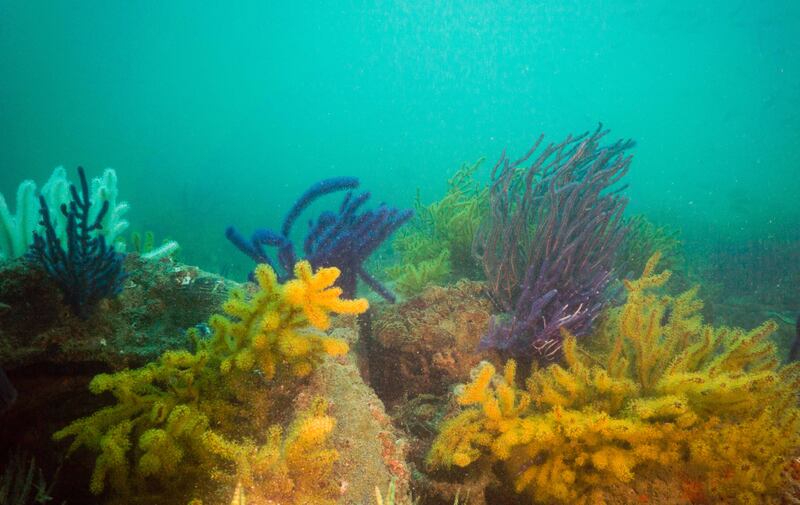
[(187, 412), (314, 295), (291, 469), (667, 391), (412, 278), (436, 247), (277, 328)]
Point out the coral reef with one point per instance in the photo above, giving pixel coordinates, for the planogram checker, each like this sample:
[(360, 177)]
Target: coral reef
[(263, 403), (182, 414), (549, 243), (16, 230), (343, 240), (437, 245), (665, 395), (51, 356), (371, 452), (160, 300), (88, 269)]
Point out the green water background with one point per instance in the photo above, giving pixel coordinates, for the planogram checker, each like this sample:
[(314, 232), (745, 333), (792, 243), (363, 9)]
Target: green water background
[(217, 115)]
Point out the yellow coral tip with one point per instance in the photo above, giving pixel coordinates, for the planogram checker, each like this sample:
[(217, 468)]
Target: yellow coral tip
[(461, 459), (335, 347)]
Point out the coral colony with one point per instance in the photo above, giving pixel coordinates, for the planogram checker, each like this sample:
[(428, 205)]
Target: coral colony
[(669, 392), (344, 239), (436, 247), (549, 243), (157, 429), (88, 269)]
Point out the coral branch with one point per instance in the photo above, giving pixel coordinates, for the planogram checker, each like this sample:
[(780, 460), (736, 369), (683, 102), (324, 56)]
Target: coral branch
[(344, 239), (16, 230)]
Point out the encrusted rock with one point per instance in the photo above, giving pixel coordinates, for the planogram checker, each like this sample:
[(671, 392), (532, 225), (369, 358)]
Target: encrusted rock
[(160, 300), (371, 453), (428, 343)]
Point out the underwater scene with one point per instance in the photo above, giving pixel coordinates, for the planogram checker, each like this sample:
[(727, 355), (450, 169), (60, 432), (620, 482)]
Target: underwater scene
[(399, 252)]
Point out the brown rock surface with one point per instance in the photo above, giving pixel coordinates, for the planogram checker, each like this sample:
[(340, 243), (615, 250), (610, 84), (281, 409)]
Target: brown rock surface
[(427, 344), (371, 453)]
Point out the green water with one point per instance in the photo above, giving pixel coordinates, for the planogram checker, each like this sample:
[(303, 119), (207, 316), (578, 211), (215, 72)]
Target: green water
[(222, 115)]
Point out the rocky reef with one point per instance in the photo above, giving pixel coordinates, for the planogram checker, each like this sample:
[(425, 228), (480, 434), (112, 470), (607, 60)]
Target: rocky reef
[(542, 351)]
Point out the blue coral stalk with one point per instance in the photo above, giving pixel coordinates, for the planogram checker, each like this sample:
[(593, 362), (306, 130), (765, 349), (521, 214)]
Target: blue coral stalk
[(344, 239), (88, 270)]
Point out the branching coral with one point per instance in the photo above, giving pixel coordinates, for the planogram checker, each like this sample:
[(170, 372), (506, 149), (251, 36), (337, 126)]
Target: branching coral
[(343, 240), (16, 230), (549, 241), (412, 278), (437, 246), (187, 414), (668, 391), (291, 469), (84, 266)]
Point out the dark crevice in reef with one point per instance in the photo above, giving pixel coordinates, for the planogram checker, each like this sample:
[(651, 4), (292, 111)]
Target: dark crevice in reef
[(49, 397)]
